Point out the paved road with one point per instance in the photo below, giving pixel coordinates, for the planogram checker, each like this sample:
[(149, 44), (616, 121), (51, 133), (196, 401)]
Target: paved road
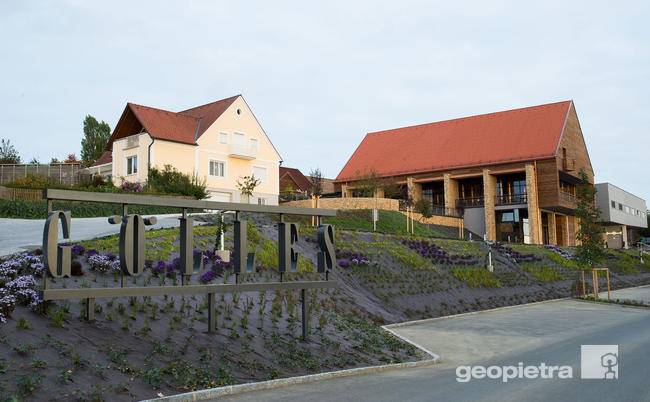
[(551, 333), (19, 234), (637, 294)]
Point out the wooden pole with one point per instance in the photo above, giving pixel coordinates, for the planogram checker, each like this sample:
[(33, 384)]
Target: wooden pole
[(584, 291), (608, 292)]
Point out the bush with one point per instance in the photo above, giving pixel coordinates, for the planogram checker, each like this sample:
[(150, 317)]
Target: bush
[(170, 180), (38, 209), (423, 207), (34, 181)]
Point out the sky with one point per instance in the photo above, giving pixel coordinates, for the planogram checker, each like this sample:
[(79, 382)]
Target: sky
[(320, 75)]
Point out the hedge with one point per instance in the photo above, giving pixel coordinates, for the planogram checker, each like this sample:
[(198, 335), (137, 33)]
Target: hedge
[(38, 209)]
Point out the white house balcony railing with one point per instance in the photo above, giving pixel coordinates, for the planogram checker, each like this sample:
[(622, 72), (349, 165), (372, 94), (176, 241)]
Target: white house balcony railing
[(242, 152)]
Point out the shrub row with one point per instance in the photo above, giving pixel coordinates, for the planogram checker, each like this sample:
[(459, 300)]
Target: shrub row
[(38, 209)]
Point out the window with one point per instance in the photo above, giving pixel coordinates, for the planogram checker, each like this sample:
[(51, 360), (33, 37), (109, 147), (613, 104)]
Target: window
[(627, 210), (254, 145), (132, 165), (620, 206), (614, 204), (223, 138), (260, 173), (261, 201), (217, 169)]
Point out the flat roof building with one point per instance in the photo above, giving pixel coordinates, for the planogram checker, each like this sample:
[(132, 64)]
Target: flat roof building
[(622, 213)]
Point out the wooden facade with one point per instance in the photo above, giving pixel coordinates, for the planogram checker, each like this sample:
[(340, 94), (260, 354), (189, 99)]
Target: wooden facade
[(551, 187)]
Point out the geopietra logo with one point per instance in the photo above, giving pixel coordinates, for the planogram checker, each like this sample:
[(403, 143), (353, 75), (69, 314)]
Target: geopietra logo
[(506, 373), (599, 362), (596, 362)]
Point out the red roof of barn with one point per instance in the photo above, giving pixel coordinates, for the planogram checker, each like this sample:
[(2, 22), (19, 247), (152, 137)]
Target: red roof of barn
[(296, 175), (511, 136), (186, 126), (107, 157)]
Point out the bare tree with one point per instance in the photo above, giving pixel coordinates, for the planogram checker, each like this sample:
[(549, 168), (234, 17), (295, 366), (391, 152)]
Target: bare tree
[(317, 182)]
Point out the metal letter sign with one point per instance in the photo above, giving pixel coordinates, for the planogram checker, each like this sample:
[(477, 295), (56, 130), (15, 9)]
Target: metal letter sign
[(58, 259), (190, 264), (132, 242), (288, 237), (327, 256), (243, 260)]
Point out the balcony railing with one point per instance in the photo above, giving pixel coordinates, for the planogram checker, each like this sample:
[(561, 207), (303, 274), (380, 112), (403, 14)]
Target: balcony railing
[(568, 164), (567, 197), (242, 152), (508, 199), (469, 202), (440, 210)]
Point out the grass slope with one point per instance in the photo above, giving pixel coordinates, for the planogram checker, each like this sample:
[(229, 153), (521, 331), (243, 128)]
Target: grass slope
[(138, 347)]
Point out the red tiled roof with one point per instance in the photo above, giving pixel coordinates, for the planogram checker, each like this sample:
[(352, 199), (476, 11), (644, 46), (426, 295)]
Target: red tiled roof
[(186, 126), (107, 157), (515, 135), (296, 175), (209, 113), (166, 125)]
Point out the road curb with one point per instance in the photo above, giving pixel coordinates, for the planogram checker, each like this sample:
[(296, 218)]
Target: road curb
[(471, 313), (285, 382)]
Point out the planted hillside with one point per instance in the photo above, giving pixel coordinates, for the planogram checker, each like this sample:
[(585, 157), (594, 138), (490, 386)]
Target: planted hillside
[(138, 347)]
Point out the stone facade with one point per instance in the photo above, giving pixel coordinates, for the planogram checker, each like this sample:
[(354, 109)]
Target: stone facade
[(348, 203), (534, 214), (451, 191), (489, 193)]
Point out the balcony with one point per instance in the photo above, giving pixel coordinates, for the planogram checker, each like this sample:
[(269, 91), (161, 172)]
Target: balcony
[(509, 199), (469, 202), (131, 142), (568, 165), (567, 198), (242, 152)]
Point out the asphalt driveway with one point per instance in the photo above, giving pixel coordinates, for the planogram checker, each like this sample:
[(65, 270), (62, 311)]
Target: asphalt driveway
[(550, 333), (641, 294), (20, 234)]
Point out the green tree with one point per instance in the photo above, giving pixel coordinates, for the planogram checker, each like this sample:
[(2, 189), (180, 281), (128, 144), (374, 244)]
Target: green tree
[(8, 154), (368, 184), (590, 250), (94, 141)]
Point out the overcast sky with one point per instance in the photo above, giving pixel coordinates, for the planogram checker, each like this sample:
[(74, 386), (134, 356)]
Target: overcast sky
[(320, 75)]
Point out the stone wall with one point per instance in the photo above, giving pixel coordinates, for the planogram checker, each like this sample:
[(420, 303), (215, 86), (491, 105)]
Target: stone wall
[(438, 220), (348, 203)]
